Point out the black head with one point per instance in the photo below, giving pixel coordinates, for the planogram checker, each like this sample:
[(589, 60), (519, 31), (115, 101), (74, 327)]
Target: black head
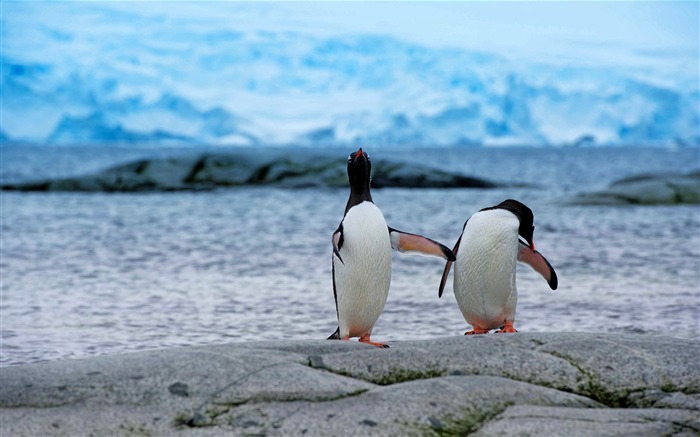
[(524, 215), (359, 170)]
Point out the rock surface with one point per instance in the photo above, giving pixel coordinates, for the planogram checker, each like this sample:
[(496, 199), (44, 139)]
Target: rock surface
[(493, 385), (226, 170), (658, 189)]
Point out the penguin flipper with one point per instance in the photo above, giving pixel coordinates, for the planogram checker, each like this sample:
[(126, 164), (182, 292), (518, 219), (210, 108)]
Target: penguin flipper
[(539, 263), (338, 242), (448, 266), (405, 242), (335, 335)]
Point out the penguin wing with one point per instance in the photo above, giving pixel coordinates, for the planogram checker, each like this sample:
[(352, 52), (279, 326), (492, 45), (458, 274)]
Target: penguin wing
[(539, 263), (448, 266), (405, 242), (336, 334), (338, 242)]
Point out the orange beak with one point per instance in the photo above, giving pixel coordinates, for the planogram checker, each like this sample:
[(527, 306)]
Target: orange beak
[(359, 153)]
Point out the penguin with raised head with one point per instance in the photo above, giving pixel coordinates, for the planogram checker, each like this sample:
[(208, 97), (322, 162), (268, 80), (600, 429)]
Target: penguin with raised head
[(492, 242), (362, 247)]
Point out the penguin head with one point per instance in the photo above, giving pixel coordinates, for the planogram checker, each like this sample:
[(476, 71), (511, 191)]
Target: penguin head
[(524, 214), (359, 170)]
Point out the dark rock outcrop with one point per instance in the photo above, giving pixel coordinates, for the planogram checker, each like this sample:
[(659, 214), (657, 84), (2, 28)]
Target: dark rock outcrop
[(227, 170), (647, 189)]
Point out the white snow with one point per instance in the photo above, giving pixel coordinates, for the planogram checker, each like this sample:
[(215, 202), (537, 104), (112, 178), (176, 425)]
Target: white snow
[(318, 74)]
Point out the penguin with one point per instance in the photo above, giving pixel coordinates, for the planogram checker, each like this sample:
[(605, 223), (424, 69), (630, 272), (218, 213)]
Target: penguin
[(493, 240), (361, 259)]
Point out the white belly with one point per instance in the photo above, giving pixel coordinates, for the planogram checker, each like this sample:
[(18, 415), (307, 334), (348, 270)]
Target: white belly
[(484, 277), (362, 280)]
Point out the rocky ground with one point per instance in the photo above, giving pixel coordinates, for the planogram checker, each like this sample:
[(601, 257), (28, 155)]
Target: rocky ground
[(572, 384)]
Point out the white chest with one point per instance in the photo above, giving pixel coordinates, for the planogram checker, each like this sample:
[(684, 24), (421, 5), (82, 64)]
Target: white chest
[(365, 233), (362, 280)]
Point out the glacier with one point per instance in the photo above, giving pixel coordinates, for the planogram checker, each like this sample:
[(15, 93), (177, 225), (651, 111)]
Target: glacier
[(178, 73)]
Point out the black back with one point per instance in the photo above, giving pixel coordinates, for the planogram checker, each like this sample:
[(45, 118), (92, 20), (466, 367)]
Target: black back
[(359, 171), (524, 214)]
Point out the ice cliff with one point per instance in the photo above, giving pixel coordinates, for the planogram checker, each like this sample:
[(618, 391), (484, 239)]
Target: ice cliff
[(105, 73)]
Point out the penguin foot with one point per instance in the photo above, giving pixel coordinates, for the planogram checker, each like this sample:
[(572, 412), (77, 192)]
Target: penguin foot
[(507, 328), (477, 330), (365, 339)]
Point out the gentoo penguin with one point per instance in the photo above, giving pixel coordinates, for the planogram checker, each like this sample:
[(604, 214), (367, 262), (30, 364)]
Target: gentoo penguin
[(492, 241), (362, 256)]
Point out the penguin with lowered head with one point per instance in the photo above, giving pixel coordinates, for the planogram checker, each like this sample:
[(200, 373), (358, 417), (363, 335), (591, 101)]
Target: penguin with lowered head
[(493, 240)]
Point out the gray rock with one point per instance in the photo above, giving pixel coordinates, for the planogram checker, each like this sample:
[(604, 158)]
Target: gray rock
[(602, 366), (579, 422), (662, 399), (540, 383), (455, 404), (514, 357), (252, 168), (647, 190), (288, 382), (616, 366), (130, 379)]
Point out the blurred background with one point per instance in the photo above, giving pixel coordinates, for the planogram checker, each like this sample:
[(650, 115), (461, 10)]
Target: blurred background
[(549, 101), (338, 73)]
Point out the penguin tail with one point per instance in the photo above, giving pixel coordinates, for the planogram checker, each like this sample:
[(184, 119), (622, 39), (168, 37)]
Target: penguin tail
[(335, 335)]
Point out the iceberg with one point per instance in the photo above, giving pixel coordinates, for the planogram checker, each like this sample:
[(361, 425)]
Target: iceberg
[(105, 73)]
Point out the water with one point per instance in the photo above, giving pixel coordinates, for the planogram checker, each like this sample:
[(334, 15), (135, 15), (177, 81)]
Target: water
[(90, 274)]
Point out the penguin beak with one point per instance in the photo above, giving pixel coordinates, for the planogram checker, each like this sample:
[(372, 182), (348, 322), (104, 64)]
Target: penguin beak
[(527, 243), (359, 153)]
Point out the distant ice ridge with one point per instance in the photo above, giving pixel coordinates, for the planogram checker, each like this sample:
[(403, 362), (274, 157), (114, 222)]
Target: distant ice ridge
[(106, 73)]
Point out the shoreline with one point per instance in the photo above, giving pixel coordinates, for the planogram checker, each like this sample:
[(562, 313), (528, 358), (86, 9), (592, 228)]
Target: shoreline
[(539, 383)]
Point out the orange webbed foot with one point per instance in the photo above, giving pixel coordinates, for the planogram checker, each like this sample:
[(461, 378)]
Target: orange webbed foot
[(476, 331), (507, 328), (365, 339)]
